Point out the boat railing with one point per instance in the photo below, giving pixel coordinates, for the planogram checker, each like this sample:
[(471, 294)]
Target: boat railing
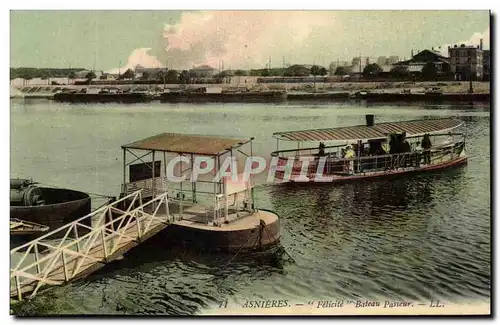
[(306, 151), (359, 164), (335, 150), (186, 202), (110, 226)]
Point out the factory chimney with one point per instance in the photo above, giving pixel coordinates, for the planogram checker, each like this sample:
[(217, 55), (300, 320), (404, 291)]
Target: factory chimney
[(370, 119), (481, 44)]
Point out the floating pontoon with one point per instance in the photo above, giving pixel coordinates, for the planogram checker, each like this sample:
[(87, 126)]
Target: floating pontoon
[(209, 210)]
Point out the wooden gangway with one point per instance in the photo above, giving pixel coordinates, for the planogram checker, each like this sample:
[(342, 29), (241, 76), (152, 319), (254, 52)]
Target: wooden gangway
[(83, 249)]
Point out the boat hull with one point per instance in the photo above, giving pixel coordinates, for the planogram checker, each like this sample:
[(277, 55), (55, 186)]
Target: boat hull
[(224, 97), (399, 97), (251, 237), (255, 231), (103, 98), (61, 207)]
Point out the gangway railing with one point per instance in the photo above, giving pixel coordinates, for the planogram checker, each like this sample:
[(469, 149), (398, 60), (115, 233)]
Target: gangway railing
[(114, 229)]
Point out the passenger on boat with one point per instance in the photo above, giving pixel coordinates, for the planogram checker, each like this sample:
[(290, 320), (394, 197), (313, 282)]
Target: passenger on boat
[(426, 146), (343, 151), (321, 153), (321, 150), (349, 153), (386, 148), (418, 154), (406, 148)]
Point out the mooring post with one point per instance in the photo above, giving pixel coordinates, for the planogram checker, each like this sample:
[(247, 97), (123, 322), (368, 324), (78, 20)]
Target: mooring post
[(181, 192), (18, 288), (76, 237), (36, 259), (193, 183), (124, 190), (153, 181), (64, 267), (166, 206), (251, 178), (137, 222), (104, 245)]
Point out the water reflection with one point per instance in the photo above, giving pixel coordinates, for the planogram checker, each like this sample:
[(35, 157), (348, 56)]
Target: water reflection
[(365, 206)]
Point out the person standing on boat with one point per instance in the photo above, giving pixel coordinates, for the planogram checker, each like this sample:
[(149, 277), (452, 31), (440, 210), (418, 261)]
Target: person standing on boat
[(426, 146), (406, 150), (385, 148), (350, 154), (321, 153), (418, 154), (321, 150)]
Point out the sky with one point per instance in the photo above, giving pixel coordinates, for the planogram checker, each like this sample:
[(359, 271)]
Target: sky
[(112, 40)]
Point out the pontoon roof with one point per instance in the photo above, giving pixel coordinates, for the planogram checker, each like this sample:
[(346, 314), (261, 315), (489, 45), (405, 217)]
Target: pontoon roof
[(192, 144), (378, 131)]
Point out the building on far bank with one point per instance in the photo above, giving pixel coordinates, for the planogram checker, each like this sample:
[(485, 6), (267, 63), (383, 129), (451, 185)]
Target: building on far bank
[(299, 70), (203, 71), (109, 76), (466, 60), (419, 60), (139, 71), (486, 65), (392, 59), (357, 70), (382, 60), (335, 64)]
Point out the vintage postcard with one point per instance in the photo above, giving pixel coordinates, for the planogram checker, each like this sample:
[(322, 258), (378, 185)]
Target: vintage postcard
[(250, 162)]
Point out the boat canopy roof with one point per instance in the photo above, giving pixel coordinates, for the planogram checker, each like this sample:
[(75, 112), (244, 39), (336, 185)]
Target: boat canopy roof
[(191, 144), (377, 131)]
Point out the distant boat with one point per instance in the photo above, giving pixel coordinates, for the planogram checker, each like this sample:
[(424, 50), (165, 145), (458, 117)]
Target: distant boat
[(106, 95), (433, 91), (239, 94)]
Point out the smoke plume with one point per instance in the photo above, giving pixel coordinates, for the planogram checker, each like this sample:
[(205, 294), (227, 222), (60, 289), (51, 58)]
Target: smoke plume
[(474, 40), (239, 39)]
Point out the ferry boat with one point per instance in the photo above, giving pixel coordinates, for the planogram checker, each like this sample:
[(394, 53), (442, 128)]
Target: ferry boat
[(210, 212), (371, 151)]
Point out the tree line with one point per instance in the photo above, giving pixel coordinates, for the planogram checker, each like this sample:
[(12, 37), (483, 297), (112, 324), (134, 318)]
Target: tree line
[(171, 76), (429, 71), (42, 73)]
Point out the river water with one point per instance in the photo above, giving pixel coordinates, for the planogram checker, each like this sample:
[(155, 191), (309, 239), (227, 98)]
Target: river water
[(417, 238)]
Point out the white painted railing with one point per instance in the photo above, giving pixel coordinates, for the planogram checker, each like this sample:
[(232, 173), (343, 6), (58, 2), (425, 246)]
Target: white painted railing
[(110, 227)]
